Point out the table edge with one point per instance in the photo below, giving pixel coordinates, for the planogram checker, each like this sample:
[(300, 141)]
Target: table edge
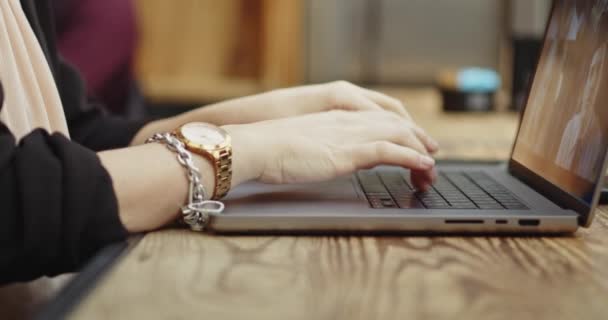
[(70, 297)]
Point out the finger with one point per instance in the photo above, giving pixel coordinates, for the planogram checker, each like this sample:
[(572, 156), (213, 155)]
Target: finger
[(343, 95), (392, 104), (373, 154), (430, 144), (407, 138), (402, 132), (394, 129), (422, 180), (387, 103), (359, 102)]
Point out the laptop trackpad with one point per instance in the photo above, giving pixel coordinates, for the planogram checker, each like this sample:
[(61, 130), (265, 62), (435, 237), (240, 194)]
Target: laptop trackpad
[(337, 191)]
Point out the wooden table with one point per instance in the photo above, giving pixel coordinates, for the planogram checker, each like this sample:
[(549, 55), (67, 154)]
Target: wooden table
[(177, 274)]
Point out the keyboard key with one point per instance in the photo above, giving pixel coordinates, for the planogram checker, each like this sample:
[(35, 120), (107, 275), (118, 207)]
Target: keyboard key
[(400, 190), (376, 204), (409, 203), (388, 203)]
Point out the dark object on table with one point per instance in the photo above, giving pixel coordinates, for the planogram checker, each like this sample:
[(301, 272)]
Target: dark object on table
[(604, 195), (469, 89), (525, 57), (456, 100)]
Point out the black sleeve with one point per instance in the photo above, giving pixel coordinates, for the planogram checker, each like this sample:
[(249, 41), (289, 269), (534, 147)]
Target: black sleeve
[(57, 206), (89, 125)]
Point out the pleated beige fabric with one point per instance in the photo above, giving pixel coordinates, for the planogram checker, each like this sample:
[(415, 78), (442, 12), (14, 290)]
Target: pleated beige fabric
[(31, 97)]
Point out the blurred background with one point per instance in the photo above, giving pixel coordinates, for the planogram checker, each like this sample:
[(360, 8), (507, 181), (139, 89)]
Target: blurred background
[(160, 57)]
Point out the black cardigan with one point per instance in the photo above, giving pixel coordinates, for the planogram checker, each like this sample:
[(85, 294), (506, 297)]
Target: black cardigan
[(57, 202)]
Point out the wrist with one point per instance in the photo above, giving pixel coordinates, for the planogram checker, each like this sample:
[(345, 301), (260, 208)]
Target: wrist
[(163, 125), (203, 114), (235, 111)]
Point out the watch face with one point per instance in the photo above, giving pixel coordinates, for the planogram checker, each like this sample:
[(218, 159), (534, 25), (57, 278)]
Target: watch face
[(203, 134)]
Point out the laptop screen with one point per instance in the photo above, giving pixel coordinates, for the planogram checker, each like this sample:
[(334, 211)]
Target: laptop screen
[(564, 130)]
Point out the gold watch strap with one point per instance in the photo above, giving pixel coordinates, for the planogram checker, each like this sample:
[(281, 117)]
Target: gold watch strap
[(223, 173)]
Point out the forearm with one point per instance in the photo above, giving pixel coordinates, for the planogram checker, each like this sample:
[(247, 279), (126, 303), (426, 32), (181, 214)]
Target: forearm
[(151, 185), (265, 106)]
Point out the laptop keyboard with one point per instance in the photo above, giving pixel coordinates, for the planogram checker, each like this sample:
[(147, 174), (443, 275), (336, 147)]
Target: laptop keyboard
[(452, 190)]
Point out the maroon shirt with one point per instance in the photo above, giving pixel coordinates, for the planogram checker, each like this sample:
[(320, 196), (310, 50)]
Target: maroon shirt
[(99, 38)]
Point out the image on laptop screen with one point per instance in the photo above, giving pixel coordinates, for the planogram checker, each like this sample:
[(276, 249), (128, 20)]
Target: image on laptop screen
[(564, 131)]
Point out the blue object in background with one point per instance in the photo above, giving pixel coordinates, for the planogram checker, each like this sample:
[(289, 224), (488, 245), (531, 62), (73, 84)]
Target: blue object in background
[(477, 80)]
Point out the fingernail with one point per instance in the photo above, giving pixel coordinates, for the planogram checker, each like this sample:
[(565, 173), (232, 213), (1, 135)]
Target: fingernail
[(434, 144), (434, 175), (427, 162), (424, 187)]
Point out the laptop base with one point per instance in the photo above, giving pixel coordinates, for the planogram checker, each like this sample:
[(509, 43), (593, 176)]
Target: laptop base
[(340, 206)]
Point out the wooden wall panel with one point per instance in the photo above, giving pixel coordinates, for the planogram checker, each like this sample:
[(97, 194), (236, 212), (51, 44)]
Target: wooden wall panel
[(201, 50)]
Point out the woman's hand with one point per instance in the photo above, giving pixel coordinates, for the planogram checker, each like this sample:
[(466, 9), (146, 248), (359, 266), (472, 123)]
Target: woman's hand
[(326, 145), (283, 103)]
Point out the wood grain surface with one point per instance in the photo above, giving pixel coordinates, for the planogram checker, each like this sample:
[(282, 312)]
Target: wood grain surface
[(176, 274)]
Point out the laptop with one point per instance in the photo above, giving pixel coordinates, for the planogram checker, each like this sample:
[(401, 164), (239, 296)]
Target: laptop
[(551, 183)]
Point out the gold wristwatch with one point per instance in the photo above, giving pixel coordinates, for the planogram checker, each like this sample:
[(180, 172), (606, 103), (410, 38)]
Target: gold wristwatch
[(213, 143)]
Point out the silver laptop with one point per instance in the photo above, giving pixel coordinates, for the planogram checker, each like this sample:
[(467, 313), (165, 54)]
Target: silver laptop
[(551, 183)]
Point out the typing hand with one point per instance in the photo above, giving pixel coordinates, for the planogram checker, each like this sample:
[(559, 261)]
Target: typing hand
[(322, 146)]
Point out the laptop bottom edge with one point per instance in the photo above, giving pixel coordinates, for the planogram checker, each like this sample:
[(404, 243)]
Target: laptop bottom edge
[(524, 224)]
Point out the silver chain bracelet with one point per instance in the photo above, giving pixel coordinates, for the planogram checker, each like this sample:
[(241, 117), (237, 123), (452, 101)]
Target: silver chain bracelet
[(196, 213)]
